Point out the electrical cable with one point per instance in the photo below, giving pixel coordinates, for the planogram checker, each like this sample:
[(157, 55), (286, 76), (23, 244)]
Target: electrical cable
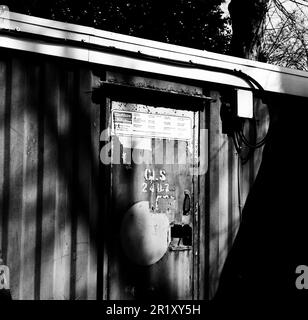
[(253, 83), (186, 64), (248, 144), (239, 138)]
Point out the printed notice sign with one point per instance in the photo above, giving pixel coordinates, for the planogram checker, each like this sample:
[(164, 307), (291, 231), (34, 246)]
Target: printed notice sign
[(142, 124)]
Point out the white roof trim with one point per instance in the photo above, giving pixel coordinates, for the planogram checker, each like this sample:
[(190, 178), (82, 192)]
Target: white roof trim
[(272, 78)]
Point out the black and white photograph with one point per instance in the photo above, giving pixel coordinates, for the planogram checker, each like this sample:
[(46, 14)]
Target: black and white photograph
[(153, 154)]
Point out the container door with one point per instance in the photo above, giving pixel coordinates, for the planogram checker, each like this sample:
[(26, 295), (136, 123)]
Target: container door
[(153, 152)]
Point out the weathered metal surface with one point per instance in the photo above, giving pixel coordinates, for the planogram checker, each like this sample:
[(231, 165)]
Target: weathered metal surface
[(155, 168), (48, 178), (55, 194), (217, 199)]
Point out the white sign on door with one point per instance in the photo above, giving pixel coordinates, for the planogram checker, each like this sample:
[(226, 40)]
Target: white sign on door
[(142, 124)]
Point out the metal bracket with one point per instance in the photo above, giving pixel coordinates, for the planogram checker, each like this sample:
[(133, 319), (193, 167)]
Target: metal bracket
[(133, 94)]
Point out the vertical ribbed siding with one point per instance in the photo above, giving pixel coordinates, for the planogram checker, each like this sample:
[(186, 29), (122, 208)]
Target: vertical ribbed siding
[(49, 194), (49, 153), (229, 185)]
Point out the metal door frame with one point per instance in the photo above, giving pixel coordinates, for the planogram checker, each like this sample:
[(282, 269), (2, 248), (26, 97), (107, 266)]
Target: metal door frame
[(109, 92)]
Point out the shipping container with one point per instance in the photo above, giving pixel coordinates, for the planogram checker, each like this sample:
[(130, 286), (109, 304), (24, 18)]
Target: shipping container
[(117, 180)]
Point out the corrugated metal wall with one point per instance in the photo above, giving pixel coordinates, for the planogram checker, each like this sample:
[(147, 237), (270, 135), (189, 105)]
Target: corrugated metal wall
[(228, 185), (49, 182), (48, 178)]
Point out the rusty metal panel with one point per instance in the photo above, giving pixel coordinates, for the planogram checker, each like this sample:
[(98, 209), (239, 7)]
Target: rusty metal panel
[(217, 201), (52, 185), (49, 156), (154, 167)]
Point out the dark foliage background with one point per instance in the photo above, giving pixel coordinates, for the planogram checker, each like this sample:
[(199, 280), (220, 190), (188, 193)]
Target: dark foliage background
[(192, 23)]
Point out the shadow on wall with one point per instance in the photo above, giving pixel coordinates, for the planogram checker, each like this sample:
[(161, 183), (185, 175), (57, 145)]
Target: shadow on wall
[(272, 238), (49, 174), (52, 230), (51, 190)]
